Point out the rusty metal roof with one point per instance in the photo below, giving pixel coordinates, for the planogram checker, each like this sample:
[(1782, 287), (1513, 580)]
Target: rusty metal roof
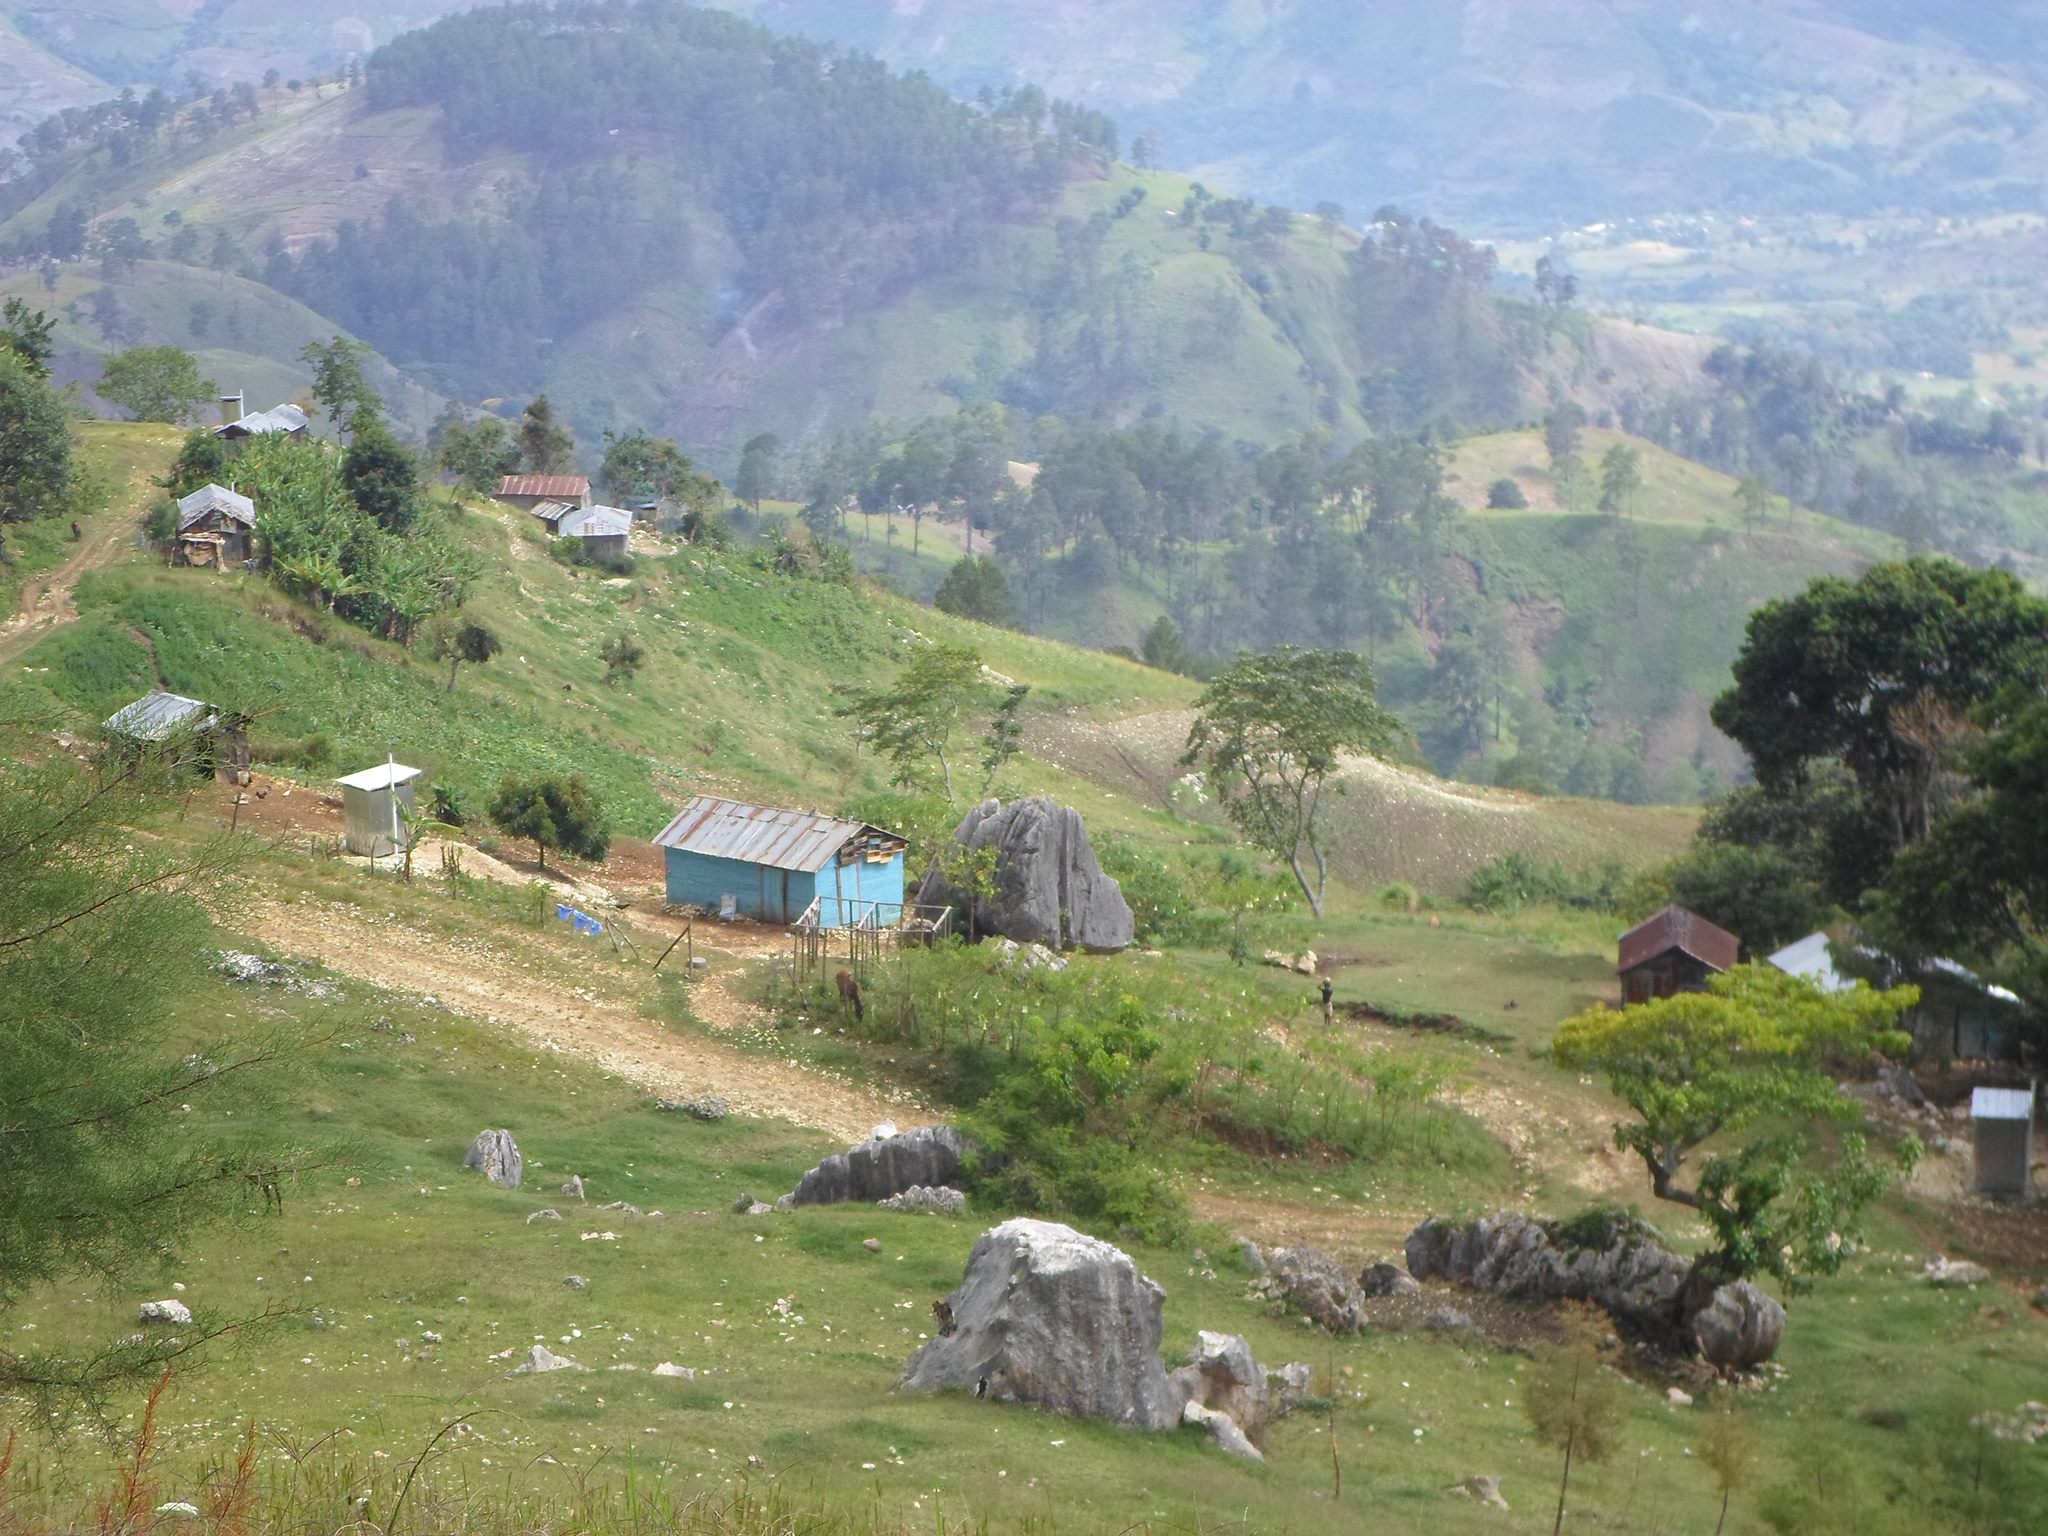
[(768, 835), (554, 487), (1687, 932)]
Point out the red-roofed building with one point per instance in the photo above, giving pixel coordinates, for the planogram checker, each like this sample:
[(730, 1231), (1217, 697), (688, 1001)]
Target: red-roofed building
[(1672, 952), (528, 491)]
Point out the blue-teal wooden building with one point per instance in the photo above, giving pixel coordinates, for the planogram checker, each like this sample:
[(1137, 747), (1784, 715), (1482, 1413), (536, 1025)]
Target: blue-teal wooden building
[(775, 864)]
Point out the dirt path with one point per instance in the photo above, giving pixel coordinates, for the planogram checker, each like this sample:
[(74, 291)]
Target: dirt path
[(46, 599), (482, 978)]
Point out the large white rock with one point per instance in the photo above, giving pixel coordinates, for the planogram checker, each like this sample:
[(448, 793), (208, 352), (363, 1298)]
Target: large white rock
[(169, 1313), (1048, 1316), (1049, 888)]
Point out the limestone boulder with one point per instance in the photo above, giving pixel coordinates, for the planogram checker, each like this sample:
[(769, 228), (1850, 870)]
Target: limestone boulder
[(1048, 1316), (496, 1155), (1312, 1283), (884, 1166), (1740, 1328), (1049, 888)]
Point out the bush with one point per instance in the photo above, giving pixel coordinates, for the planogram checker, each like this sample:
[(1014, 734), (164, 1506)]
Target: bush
[(1515, 881), (314, 751), (1401, 897), (552, 811), (1505, 495)]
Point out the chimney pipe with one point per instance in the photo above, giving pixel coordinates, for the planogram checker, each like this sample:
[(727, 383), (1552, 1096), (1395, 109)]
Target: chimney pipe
[(227, 416)]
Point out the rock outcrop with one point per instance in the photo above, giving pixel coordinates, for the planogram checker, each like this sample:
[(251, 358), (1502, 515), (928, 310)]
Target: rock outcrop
[(1620, 1264), (1049, 889), (1316, 1286), (884, 1166), (496, 1154), (941, 1201), (173, 1314), (1224, 1377), (1048, 1316)]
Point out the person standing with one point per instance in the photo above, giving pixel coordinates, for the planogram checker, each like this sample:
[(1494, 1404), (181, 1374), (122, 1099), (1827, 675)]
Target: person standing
[(1329, 1013)]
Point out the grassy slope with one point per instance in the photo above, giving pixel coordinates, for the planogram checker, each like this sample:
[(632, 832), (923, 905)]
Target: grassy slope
[(739, 666)]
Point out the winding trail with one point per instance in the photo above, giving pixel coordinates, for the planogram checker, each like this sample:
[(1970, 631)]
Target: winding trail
[(46, 604)]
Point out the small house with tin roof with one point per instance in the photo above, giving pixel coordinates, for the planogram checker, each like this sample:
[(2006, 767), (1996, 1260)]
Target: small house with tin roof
[(1674, 951), (162, 720), (285, 420), (527, 492), (216, 527), (776, 864), (603, 531)]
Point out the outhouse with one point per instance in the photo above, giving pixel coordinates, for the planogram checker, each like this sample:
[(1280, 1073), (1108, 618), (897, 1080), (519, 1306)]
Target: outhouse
[(2004, 1122), (374, 806)]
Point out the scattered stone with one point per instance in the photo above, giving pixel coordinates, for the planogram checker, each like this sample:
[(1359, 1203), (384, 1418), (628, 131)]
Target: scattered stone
[(1899, 1085), (1447, 1320), (708, 1108), (171, 1313), (1294, 1380), (496, 1154), (548, 1214), (944, 1201), (1223, 1429), (1943, 1271), (872, 1244), (176, 1507), (744, 1204), (1249, 1255), (1485, 1489), (1951, 1146), (670, 1368), (1013, 957), (1740, 1328), (430, 1337), (1388, 1280), (1049, 889), (540, 1359), (1314, 1285), (623, 1207), (576, 1282), (574, 1188), (1304, 963), (1678, 1397), (1048, 1316), (257, 971), (883, 1166)]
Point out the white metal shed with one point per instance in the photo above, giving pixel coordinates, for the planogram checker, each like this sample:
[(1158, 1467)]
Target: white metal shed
[(374, 805), (2004, 1122)]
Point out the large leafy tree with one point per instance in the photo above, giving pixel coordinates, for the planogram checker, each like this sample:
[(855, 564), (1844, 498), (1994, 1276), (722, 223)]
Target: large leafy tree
[(456, 640), (116, 1147), (1741, 1066), (1269, 735), (1882, 673), (155, 383), (477, 454), (30, 335), (552, 810), (544, 443), (975, 588), (35, 443), (340, 383), (382, 476)]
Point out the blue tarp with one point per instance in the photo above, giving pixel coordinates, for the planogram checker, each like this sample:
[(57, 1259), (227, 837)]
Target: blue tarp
[(582, 922)]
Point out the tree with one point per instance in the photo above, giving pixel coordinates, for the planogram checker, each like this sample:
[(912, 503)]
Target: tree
[(203, 459), (28, 334), (155, 383), (1753, 500), (1561, 429), (1758, 893), (912, 723), (35, 443), (1271, 731), (622, 654), (382, 476), (1005, 735), (975, 589), (1555, 288), (460, 640), (1747, 1062), (756, 476), (544, 443), (1728, 1447), (1574, 1407), (1163, 647), (1505, 495), (1881, 673), (553, 811), (103, 1173), (1621, 478), (339, 383), (640, 468), (477, 454)]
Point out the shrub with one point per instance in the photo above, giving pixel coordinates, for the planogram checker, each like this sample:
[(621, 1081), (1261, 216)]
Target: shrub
[(314, 751), (1401, 897), (1505, 495)]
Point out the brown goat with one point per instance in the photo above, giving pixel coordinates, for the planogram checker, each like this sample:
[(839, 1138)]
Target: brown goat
[(849, 992)]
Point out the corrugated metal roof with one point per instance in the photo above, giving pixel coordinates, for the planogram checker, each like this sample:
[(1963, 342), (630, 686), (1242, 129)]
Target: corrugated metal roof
[(1676, 928), (760, 834), (157, 715), (214, 498), (1810, 959), (548, 511), (2001, 1104), (383, 776), (594, 522), (279, 418), (554, 487)]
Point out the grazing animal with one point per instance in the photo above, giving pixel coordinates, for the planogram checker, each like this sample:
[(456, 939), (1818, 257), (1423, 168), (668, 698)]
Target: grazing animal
[(849, 992)]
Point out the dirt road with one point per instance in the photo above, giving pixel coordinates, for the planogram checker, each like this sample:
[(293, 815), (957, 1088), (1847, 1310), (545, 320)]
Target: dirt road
[(599, 1021), (46, 599)]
